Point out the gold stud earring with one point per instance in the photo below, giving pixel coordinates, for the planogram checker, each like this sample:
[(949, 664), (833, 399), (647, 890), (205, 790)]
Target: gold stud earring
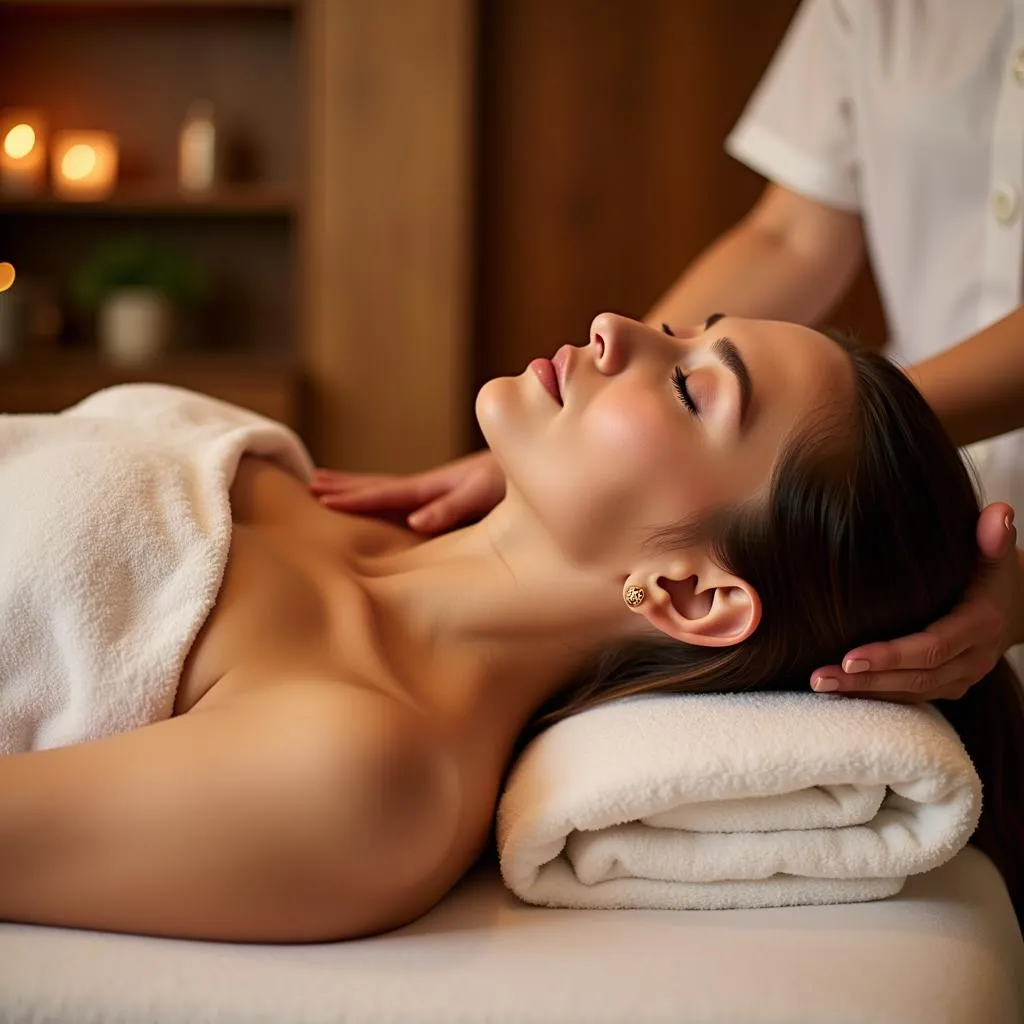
[(634, 596)]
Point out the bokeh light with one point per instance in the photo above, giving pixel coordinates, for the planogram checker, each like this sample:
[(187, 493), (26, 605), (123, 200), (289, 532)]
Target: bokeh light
[(79, 162), (20, 141)]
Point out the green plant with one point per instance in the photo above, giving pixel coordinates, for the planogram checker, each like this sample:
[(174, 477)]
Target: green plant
[(135, 262)]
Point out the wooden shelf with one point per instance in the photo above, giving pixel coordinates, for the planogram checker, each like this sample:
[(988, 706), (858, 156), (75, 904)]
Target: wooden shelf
[(267, 385), (237, 201), (86, 63)]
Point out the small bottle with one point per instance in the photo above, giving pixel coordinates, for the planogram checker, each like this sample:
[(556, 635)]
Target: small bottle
[(197, 149)]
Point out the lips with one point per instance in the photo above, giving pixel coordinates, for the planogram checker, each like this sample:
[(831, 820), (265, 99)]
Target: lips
[(548, 376), (560, 362)]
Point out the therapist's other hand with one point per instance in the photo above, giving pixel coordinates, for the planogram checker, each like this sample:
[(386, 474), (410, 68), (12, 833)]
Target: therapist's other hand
[(950, 656), (430, 502)]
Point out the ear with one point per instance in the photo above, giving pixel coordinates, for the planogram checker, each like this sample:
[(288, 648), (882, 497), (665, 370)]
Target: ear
[(697, 602)]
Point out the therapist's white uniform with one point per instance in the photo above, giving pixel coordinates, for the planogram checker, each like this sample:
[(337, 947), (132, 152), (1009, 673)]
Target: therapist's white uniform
[(911, 113)]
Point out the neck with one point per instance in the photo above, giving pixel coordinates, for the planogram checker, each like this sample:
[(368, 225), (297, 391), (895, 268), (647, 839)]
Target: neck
[(492, 617)]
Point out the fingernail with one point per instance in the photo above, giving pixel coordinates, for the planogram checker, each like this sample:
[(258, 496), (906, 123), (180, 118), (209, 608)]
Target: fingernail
[(825, 684), (416, 519), (1008, 521), (854, 665)]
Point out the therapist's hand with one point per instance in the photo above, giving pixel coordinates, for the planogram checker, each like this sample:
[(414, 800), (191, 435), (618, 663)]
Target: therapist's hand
[(953, 654), (429, 502)]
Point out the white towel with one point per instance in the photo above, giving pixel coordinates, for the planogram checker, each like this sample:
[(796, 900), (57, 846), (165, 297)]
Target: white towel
[(115, 526), (741, 800)]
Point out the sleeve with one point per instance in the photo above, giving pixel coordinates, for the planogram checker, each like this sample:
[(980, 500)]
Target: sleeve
[(798, 129)]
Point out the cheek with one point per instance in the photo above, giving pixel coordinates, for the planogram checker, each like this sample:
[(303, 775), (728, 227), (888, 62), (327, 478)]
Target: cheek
[(646, 460), (638, 435)]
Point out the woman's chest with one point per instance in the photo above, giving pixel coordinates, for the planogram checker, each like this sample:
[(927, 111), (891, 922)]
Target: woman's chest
[(288, 606), (290, 609), (270, 622), (283, 619)]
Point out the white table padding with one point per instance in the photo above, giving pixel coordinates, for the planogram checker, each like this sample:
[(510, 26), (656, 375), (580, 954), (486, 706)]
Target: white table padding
[(946, 950)]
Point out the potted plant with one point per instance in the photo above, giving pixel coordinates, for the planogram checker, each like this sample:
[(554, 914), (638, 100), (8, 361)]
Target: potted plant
[(135, 287)]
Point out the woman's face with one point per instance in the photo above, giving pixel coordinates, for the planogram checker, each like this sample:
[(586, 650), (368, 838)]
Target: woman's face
[(638, 430)]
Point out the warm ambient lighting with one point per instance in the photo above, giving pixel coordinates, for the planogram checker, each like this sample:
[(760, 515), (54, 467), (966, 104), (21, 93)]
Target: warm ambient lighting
[(84, 165), (7, 276), (79, 162), (20, 141), (22, 153)]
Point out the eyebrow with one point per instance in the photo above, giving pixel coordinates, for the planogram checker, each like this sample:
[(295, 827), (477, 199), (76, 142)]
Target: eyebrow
[(730, 356)]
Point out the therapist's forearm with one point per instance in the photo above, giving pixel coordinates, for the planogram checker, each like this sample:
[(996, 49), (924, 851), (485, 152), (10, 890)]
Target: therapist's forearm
[(790, 258), (977, 387)]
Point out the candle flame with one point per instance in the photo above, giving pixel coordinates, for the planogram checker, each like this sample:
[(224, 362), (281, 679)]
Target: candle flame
[(79, 162), (20, 141)]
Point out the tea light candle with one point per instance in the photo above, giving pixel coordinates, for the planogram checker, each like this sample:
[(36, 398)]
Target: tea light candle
[(22, 152), (84, 165)]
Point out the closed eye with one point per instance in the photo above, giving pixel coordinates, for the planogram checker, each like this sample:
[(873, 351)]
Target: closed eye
[(679, 383)]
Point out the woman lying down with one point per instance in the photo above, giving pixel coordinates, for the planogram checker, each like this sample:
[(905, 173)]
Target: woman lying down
[(233, 714)]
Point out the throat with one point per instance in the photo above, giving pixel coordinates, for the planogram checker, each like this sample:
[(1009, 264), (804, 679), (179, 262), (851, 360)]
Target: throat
[(476, 644)]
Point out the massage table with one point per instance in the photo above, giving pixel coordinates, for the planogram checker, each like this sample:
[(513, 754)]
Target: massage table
[(947, 949)]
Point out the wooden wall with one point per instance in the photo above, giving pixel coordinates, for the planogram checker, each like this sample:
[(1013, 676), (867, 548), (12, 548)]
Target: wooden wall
[(601, 171), (387, 241)]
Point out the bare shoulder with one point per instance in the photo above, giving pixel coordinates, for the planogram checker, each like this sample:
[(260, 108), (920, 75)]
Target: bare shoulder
[(386, 755), (386, 788), (399, 757)]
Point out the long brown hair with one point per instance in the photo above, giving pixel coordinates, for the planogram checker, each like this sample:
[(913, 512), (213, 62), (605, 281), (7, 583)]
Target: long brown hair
[(867, 532)]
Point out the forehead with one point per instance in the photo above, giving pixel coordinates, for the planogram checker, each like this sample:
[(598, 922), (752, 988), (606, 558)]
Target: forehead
[(796, 373), (795, 369)]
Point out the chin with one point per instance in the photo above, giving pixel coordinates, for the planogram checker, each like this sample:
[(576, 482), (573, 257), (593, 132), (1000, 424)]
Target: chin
[(498, 409)]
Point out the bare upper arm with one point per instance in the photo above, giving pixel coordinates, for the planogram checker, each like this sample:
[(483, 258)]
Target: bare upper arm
[(300, 812)]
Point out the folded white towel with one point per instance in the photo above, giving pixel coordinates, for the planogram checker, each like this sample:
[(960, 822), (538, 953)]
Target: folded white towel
[(114, 534), (740, 800)]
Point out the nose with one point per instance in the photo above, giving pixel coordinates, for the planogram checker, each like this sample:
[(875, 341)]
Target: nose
[(616, 339), (612, 338)]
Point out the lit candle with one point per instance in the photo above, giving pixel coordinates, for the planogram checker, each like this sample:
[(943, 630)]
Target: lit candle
[(84, 165), (22, 152)]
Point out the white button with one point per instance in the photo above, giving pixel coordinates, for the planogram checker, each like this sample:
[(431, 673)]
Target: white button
[(1017, 66), (1005, 203)]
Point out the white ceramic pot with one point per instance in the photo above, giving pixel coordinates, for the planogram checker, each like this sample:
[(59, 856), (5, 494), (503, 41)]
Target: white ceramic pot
[(135, 326)]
